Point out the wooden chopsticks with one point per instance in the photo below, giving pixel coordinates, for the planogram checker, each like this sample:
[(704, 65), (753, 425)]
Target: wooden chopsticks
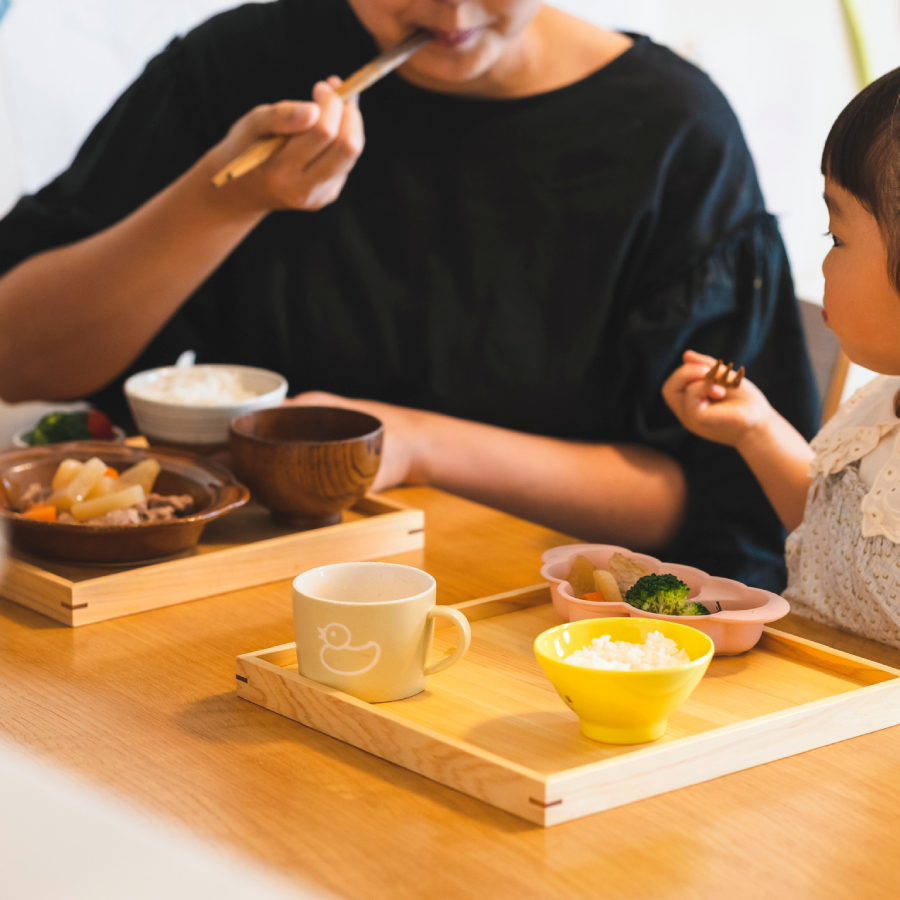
[(363, 78), (383, 64)]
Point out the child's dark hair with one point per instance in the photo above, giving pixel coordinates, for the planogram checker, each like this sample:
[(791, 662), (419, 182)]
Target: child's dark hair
[(862, 154)]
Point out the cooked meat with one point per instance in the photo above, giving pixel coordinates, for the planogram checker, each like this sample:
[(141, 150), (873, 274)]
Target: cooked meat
[(158, 514), (626, 571), (181, 503), (34, 493), (128, 516), (156, 508)]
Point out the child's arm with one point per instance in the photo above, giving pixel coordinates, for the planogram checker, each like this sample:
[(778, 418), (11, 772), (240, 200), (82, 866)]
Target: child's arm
[(742, 418)]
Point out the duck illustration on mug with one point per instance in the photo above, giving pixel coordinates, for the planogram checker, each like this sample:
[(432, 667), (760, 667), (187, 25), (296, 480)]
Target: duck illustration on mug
[(339, 657)]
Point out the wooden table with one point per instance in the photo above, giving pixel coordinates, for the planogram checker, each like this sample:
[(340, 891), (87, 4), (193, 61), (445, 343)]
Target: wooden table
[(103, 702)]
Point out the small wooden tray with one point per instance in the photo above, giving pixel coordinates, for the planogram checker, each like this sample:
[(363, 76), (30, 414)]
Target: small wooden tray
[(243, 549), (493, 727)]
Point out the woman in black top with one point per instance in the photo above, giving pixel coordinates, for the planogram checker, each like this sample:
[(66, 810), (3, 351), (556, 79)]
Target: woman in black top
[(545, 215)]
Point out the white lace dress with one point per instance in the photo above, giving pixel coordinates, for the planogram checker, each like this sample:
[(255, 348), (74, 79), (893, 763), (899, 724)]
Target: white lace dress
[(844, 559)]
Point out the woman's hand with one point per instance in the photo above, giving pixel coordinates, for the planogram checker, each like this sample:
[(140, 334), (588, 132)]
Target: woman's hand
[(404, 436), (325, 138), (724, 415)]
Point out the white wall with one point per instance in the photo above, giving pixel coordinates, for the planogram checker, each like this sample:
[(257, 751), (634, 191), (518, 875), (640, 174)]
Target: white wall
[(65, 62), (10, 171)]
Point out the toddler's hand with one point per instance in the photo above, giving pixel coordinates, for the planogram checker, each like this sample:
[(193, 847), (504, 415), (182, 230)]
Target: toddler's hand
[(723, 415)]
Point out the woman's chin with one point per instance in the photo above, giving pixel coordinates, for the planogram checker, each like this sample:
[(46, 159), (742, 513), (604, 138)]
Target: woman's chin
[(448, 72)]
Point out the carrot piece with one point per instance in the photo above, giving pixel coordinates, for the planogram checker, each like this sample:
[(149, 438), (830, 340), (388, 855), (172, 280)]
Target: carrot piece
[(110, 472), (41, 512), (594, 596)]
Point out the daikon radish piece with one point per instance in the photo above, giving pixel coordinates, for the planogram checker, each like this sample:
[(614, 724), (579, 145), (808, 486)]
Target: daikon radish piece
[(144, 474), (61, 500), (606, 584), (65, 472), (106, 485), (79, 487), (92, 509), (580, 575)]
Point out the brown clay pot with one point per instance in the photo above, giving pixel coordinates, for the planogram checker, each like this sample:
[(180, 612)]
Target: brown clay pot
[(214, 489)]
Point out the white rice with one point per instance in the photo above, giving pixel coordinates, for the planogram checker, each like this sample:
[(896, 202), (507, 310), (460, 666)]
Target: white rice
[(657, 652), (194, 386)]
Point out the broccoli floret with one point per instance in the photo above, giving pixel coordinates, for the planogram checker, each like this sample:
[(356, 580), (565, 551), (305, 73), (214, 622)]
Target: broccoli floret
[(663, 594), (695, 609), (56, 428)]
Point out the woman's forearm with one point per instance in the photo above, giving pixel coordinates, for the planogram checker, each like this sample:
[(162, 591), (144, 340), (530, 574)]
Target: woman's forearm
[(72, 318), (613, 493), (619, 493)]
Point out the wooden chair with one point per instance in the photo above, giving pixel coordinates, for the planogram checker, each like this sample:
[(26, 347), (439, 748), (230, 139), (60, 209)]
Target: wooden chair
[(830, 365)]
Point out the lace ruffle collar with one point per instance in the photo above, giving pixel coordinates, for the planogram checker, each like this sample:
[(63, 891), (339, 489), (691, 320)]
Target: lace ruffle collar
[(858, 426), (881, 506)]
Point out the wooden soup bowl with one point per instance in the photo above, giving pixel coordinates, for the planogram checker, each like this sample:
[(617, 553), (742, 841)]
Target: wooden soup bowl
[(306, 463)]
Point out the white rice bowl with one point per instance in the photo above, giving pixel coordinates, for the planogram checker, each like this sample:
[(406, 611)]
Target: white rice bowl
[(195, 405)]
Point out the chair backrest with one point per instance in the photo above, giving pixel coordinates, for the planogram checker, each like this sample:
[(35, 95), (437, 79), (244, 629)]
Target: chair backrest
[(829, 363)]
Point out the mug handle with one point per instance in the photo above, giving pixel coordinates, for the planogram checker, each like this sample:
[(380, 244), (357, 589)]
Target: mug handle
[(463, 631)]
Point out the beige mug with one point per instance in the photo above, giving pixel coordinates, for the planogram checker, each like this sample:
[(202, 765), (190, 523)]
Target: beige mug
[(365, 628)]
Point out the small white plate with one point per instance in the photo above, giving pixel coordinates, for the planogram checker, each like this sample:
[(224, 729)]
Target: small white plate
[(18, 439)]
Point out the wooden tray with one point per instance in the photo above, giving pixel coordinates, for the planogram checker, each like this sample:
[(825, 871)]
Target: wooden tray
[(243, 549), (493, 727)]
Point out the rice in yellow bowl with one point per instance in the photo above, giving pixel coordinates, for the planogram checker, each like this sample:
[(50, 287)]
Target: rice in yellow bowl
[(623, 695)]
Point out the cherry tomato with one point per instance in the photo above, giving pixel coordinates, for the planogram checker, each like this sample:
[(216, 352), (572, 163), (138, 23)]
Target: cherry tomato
[(99, 426)]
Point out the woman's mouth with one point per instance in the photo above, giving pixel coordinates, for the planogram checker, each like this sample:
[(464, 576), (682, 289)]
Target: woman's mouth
[(455, 40)]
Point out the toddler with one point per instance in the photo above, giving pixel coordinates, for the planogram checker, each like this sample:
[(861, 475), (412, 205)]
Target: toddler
[(840, 496)]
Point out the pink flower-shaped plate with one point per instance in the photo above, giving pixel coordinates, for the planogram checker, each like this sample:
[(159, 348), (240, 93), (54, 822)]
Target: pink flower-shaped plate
[(736, 628)]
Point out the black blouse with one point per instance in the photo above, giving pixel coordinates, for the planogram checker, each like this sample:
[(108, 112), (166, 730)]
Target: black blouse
[(537, 263)]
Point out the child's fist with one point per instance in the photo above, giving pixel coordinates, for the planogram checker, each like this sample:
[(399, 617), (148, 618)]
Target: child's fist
[(716, 413)]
